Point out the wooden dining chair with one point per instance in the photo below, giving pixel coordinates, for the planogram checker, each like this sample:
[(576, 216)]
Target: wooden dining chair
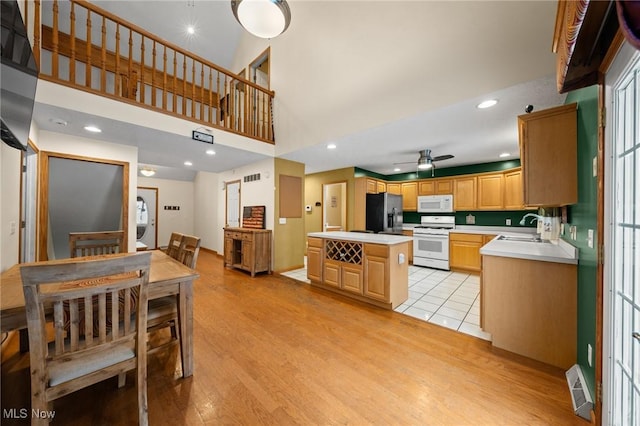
[(174, 244), (163, 312), (97, 333), (96, 243)]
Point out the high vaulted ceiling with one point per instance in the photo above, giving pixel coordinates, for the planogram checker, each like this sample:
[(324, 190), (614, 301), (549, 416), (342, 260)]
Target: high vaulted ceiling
[(380, 79)]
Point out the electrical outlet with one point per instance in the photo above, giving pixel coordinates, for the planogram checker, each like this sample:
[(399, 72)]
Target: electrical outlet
[(590, 238), (508, 222), (573, 232)]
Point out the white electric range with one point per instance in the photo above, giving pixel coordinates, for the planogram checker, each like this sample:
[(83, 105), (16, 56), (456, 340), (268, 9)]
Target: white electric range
[(431, 241)]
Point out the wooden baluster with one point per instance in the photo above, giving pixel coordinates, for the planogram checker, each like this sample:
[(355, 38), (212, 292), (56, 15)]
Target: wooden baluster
[(87, 71), (54, 53), (210, 119), (103, 57), (193, 88), (36, 32), (164, 79), (263, 127), (153, 75), (219, 102), (201, 91), (232, 94), (130, 73), (117, 86), (175, 83), (247, 104), (142, 53), (184, 86), (72, 59)]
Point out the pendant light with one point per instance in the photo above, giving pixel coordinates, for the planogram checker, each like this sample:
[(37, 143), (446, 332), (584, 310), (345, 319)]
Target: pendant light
[(262, 18)]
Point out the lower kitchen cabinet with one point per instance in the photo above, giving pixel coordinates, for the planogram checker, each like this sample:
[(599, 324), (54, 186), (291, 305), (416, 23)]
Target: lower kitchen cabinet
[(314, 259), (372, 273), (464, 251), (530, 308), (409, 233)]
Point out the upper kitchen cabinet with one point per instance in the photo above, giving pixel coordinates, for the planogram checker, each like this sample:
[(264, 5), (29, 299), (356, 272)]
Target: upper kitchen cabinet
[(375, 186), (548, 154), (435, 187), (464, 193), (394, 188), (410, 196), (491, 191), (513, 199)]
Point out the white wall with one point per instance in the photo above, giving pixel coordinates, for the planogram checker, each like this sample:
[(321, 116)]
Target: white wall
[(9, 205), (172, 193), (207, 196), (65, 144), (257, 193)]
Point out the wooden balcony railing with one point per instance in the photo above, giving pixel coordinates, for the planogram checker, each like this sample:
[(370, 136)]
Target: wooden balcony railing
[(77, 44)]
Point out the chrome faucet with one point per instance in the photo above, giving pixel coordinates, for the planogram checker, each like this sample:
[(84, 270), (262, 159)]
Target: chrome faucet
[(535, 217)]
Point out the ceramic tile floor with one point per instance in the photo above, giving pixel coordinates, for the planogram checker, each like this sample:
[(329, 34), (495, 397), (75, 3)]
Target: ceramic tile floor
[(449, 299)]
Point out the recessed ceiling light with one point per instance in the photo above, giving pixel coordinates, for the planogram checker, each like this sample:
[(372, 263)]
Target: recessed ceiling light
[(331, 146), (505, 154), (188, 163), (191, 30), (397, 169), (487, 104), (210, 152), (92, 129)]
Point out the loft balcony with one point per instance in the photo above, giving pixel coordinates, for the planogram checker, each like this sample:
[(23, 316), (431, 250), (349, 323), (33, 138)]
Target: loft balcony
[(82, 46)]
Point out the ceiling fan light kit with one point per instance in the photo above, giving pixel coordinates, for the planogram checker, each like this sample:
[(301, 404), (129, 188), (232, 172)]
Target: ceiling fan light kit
[(262, 18)]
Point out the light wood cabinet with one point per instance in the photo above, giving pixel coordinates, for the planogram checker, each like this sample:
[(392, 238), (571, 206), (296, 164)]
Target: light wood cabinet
[(513, 199), (548, 154), (394, 188), (368, 272), (465, 193), (381, 186), (435, 187), (375, 186), (409, 233), (314, 259), (464, 251), (248, 249), (491, 191), (410, 196), (486, 238), (530, 308)]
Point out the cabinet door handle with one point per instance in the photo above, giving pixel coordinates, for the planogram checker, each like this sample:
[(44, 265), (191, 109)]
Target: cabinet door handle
[(636, 335)]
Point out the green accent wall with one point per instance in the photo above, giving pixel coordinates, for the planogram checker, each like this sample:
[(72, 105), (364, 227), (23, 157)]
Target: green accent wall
[(443, 172), (584, 216), (482, 218)]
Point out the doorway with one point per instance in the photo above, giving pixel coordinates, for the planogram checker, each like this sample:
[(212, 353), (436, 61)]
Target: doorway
[(232, 204), (334, 210), (147, 217), (621, 328)]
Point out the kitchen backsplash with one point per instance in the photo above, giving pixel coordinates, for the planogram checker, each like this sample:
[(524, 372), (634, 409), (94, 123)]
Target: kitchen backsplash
[(482, 218)]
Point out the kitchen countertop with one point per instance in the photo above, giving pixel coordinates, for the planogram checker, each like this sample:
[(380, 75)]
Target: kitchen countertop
[(386, 239), (562, 252)]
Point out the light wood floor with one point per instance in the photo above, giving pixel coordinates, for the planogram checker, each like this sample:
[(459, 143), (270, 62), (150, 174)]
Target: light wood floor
[(271, 350)]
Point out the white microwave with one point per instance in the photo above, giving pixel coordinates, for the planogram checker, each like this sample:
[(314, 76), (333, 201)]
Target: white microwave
[(435, 203)]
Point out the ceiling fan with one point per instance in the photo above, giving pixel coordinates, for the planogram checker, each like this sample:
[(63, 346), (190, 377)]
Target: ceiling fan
[(425, 161)]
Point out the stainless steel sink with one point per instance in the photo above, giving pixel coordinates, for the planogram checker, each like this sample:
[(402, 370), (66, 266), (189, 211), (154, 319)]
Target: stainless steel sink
[(522, 238)]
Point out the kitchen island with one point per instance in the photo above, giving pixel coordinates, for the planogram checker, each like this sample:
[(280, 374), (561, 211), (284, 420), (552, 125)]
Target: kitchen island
[(372, 268), (528, 298)]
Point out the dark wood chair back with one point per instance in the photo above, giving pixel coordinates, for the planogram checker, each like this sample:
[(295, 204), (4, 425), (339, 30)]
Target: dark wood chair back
[(96, 243)]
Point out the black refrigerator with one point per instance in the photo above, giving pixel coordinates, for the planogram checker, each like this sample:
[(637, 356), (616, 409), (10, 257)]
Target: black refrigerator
[(384, 213)]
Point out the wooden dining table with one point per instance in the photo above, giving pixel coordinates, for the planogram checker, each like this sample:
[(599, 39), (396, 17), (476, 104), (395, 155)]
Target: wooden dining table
[(167, 276)]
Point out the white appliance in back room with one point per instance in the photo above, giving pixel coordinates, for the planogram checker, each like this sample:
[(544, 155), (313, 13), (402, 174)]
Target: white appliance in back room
[(431, 241)]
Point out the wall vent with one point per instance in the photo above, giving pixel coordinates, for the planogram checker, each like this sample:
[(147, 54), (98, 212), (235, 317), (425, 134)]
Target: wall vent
[(580, 396), (252, 178)]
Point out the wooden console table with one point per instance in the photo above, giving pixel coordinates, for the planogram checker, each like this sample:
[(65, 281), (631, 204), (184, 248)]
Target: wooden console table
[(248, 249)]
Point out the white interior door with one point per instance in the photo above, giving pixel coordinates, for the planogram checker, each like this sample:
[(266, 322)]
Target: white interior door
[(147, 217), (233, 204), (621, 340)]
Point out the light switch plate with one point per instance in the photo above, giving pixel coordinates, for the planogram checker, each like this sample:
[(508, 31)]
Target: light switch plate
[(595, 166), (508, 222), (282, 221), (590, 238)]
